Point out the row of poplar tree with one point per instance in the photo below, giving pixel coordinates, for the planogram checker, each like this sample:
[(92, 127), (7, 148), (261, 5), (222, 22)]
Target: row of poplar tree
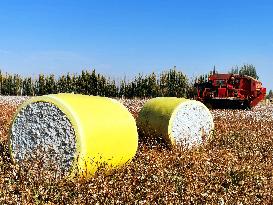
[(167, 83)]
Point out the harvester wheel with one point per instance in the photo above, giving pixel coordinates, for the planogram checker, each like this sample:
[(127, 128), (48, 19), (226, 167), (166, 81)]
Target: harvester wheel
[(246, 105), (209, 105)]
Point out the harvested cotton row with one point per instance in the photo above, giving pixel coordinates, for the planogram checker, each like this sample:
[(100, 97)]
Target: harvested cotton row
[(178, 121), (13, 100), (77, 133)]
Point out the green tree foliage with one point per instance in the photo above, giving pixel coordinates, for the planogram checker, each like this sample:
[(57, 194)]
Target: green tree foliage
[(17, 85), (204, 78), (50, 84), (249, 70), (234, 70), (246, 69), (174, 83), (270, 95), (167, 83), (69, 85), (152, 87), (61, 84), (41, 85), (9, 85), (28, 87)]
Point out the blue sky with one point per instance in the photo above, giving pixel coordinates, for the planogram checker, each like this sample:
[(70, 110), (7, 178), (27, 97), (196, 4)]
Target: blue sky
[(119, 38)]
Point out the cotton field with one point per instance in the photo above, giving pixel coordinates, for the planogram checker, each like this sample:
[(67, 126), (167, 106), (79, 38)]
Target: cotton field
[(235, 166)]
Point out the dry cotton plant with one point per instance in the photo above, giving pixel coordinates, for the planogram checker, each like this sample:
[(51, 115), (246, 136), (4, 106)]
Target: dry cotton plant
[(233, 167)]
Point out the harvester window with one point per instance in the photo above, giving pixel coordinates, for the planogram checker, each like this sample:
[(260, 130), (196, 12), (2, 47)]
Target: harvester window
[(220, 82)]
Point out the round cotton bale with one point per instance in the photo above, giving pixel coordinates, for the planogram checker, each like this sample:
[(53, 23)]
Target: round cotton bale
[(79, 133), (178, 121)]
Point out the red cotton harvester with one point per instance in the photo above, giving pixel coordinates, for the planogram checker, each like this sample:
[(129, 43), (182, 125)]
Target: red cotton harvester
[(230, 91)]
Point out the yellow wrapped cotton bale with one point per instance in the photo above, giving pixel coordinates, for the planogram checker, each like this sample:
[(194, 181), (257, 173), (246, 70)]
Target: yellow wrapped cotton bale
[(176, 120), (79, 133)]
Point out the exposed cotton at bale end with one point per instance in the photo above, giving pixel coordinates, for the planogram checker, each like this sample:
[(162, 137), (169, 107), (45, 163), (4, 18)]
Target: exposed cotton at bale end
[(78, 133), (42, 130), (179, 121)]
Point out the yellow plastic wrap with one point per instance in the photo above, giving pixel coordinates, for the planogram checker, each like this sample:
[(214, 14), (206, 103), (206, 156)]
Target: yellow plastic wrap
[(106, 132)]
